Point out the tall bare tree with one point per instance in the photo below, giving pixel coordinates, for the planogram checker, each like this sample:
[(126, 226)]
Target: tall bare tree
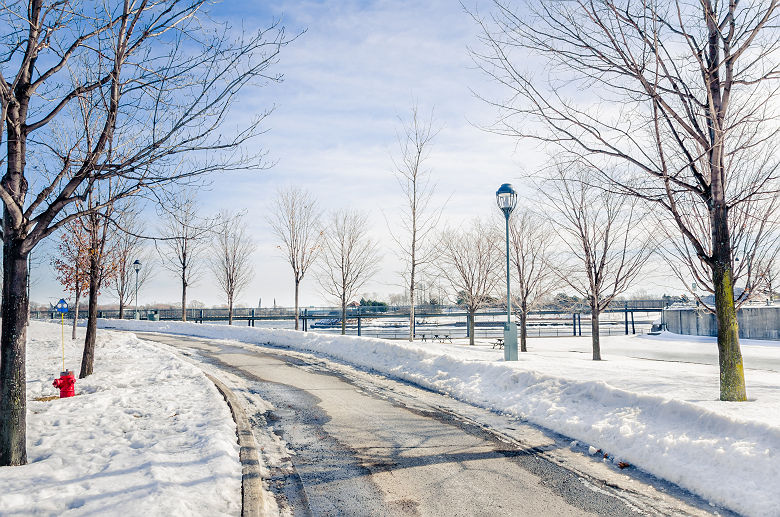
[(295, 220), (349, 258), (679, 95), (530, 255), (166, 78), (414, 236), (606, 246), (470, 260), (129, 247), (184, 238), (231, 259)]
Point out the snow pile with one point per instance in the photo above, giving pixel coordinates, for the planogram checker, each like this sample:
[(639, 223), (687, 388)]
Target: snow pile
[(661, 416), (147, 434)]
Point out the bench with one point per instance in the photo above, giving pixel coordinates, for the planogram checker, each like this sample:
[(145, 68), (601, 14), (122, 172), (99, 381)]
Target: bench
[(499, 342), (442, 338)]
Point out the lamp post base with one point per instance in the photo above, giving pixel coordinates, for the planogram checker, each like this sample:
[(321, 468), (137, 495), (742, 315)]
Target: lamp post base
[(510, 341)]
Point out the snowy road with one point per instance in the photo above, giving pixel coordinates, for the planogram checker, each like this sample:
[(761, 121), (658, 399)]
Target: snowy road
[(361, 444)]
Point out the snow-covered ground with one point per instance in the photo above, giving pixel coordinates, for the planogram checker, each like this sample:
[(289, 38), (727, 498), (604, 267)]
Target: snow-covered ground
[(147, 434), (652, 402)]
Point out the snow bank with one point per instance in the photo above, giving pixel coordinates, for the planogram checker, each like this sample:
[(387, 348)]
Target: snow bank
[(147, 434), (628, 407)]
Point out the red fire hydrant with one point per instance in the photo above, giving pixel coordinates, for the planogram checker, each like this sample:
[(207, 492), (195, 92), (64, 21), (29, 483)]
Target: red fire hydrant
[(66, 383)]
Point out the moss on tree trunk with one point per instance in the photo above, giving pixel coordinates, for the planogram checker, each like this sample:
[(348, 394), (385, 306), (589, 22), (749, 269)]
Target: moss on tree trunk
[(732, 375)]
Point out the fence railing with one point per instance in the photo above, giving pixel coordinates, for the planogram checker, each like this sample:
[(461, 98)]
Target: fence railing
[(244, 313)]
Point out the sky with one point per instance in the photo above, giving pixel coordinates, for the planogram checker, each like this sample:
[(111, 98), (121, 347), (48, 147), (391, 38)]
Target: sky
[(349, 78)]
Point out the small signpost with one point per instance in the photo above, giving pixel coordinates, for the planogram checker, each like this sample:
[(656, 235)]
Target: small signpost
[(62, 308)]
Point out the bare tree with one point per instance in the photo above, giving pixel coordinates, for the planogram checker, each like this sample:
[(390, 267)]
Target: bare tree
[(530, 254), (414, 235), (600, 230), (295, 220), (470, 261), (128, 248), (349, 258), (184, 239), (166, 78), (70, 263), (102, 270), (231, 261), (682, 101)]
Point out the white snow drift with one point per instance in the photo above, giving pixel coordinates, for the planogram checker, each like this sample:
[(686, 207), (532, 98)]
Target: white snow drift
[(646, 404), (147, 434)]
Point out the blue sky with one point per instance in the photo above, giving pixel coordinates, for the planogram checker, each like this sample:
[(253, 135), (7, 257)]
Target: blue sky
[(356, 68)]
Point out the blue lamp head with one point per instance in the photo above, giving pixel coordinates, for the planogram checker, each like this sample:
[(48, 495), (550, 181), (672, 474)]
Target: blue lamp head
[(137, 265), (506, 198)]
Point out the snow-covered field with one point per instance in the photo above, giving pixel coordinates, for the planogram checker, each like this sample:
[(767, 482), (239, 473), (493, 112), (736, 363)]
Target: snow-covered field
[(147, 434), (650, 403)]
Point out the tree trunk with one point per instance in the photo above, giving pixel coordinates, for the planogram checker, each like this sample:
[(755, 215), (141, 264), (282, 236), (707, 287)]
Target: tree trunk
[(297, 283), (230, 310), (411, 302), (523, 332), (76, 311), (732, 375), (343, 316), (121, 309), (472, 315), (183, 300), (88, 358), (594, 328), (13, 343)]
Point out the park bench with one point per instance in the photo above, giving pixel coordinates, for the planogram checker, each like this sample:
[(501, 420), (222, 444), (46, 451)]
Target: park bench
[(499, 342), (442, 338)]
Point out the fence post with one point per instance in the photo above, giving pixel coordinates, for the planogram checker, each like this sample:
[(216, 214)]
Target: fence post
[(625, 309), (633, 327), (573, 323), (359, 320), (201, 315)]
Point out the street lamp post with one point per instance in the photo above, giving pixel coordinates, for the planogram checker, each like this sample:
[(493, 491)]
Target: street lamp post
[(506, 198), (137, 266)]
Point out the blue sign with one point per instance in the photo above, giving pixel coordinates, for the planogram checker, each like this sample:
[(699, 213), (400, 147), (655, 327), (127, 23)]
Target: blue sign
[(62, 306)]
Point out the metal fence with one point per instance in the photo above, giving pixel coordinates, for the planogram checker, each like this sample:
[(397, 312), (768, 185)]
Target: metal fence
[(447, 323)]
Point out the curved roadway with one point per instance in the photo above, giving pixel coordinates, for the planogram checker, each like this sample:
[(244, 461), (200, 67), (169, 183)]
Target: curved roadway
[(361, 444)]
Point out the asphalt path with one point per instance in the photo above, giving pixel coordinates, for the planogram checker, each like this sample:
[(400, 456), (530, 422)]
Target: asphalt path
[(362, 444)]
